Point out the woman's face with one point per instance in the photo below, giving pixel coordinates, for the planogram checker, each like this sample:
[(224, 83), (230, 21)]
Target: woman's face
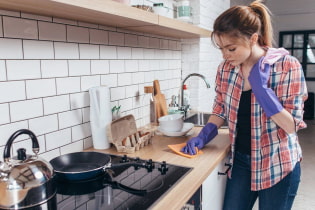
[(234, 50)]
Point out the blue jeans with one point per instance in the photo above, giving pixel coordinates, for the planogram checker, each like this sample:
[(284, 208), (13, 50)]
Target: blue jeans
[(238, 195)]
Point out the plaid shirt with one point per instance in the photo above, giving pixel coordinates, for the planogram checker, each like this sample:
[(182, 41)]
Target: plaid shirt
[(274, 152)]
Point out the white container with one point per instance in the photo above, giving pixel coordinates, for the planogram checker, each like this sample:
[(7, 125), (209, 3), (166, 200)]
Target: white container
[(100, 116), (172, 122), (159, 9), (184, 11)]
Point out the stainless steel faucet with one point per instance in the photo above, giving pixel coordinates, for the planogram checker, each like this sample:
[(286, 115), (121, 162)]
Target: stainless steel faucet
[(181, 104)]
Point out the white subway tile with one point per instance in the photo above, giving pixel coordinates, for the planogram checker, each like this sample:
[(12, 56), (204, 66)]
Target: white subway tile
[(54, 68), (144, 65), (98, 36), (149, 54), (51, 31), (36, 17), (66, 50), (164, 44), (56, 104), (88, 51), (154, 65), (79, 100), (131, 65), (58, 139), (124, 79), (38, 49), (117, 93), (107, 28), (126, 104), (108, 52), (87, 25), (137, 53), (8, 129), (149, 77), (154, 42), (132, 91), (10, 13), (12, 91), (143, 41), (86, 114), (99, 66), (77, 34), (131, 40), (1, 31), (172, 44), (116, 38), (116, 66), (20, 28), (43, 125), (79, 67), (137, 78), (73, 147), (87, 143), (3, 71), (123, 52), (109, 80), (70, 118), (4, 113), (23, 69), (90, 81), (68, 85), (49, 155), (11, 49), (40, 88), (65, 21), (26, 109), (81, 131)]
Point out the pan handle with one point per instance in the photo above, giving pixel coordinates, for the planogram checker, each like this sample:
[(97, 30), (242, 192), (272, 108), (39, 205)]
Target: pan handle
[(116, 185)]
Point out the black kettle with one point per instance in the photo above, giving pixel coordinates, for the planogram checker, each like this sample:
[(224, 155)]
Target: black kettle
[(25, 180)]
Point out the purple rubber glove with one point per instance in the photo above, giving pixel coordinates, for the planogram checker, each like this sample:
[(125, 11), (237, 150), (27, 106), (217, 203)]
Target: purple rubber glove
[(265, 96), (208, 132)]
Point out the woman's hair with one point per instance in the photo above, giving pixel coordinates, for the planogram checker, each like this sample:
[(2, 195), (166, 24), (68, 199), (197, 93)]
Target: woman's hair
[(244, 21)]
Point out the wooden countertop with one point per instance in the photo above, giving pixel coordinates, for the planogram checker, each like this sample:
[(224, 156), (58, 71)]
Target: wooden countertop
[(203, 165)]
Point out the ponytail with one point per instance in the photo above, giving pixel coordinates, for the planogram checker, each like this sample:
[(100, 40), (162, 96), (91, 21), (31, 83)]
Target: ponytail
[(244, 21)]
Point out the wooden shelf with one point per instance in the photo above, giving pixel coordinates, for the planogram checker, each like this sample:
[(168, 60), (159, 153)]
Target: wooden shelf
[(109, 13)]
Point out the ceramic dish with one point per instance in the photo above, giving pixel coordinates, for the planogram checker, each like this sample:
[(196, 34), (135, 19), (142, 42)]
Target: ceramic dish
[(186, 128)]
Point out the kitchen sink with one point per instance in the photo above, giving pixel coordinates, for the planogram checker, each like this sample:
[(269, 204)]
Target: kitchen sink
[(200, 119)]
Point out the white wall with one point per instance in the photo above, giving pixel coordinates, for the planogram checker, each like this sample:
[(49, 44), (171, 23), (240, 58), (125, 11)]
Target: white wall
[(47, 65)]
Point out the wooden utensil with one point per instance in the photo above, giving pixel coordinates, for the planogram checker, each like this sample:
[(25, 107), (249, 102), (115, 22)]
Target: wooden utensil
[(159, 100)]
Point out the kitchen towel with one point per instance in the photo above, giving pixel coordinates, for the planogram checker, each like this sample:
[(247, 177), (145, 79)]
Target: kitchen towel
[(100, 116), (177, 147)]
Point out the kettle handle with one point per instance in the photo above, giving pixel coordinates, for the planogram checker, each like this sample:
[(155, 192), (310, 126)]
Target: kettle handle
[(7, 148)]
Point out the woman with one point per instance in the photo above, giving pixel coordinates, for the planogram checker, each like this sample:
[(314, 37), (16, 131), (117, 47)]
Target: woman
[(260, 92)]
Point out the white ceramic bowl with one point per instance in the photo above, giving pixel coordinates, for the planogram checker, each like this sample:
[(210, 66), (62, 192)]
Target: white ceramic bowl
[(171, 122)]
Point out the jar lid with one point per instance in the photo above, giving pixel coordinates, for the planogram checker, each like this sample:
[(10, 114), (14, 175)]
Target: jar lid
[(158, 4)]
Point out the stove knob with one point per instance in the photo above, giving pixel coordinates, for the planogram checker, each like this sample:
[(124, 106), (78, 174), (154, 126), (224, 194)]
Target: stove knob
[(124, 159), (149, 165), (163, 168)]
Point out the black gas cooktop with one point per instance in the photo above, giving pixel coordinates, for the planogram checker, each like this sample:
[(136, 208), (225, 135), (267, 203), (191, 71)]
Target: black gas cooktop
[(143, 187)]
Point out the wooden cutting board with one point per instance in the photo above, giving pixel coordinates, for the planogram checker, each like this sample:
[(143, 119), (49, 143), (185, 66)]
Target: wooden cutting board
[(159, 100)]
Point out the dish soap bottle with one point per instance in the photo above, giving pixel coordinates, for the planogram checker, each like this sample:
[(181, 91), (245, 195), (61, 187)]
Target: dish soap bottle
[(186, 96)]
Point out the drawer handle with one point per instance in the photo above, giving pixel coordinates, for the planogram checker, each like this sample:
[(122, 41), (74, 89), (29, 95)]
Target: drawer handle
[(227, 170)]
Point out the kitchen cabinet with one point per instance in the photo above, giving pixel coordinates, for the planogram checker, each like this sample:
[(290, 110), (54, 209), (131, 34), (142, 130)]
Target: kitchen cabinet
[(109, 13), (213, 188)]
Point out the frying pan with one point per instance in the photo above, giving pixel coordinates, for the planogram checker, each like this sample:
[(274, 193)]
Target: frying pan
[(84, 165)]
